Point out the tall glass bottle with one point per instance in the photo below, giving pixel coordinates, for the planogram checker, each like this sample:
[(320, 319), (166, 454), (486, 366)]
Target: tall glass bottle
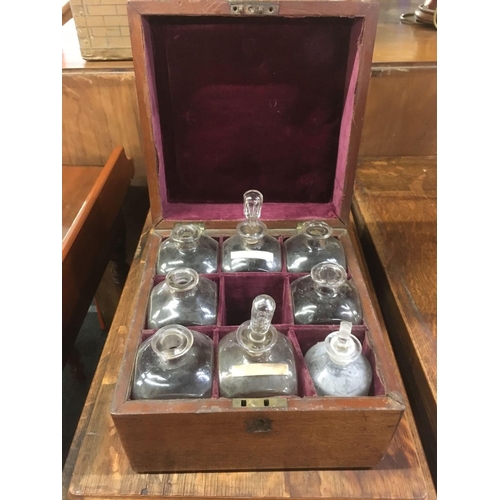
[(314, 244), (174, 363), (325, 297), (251, 249), (337, 366), (187, 247), (257, 360), (183, 298)]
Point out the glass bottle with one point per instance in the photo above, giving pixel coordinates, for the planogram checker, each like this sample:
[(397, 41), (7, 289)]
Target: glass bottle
[(325, 296), (314, 244), (257, 360), (337, 366), (174, 363), (251, 249), (183, 298), (188, 247)]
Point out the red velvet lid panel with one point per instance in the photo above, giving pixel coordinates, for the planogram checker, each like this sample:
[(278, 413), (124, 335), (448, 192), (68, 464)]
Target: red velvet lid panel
[(246, 103)]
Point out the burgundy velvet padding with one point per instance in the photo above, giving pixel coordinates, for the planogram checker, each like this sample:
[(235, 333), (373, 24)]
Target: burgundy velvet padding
[(243, 103)]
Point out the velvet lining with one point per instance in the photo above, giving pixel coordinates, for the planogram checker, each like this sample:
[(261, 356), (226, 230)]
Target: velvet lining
[(236, 292), (244, 103)]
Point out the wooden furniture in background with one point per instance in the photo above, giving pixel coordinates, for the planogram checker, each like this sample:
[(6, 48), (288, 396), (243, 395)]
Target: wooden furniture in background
[(400, 116), (395, 212), (97, 467), (66, 13), (91, 201)]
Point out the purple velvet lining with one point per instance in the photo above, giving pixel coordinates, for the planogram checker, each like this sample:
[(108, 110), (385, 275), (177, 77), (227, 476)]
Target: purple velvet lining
[(242, 103), (236, 293)]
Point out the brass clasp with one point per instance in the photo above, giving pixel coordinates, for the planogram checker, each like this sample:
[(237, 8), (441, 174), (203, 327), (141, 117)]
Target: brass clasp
[(253, 8)]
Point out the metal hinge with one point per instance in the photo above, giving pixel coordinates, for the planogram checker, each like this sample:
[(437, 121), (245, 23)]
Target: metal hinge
[(253, 8)]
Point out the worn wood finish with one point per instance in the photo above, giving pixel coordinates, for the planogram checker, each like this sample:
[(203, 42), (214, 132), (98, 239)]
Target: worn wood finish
[(100, 110), (97, 467), (88, 235), (145, 426), (401, 112), (66, 13), (395, 209)]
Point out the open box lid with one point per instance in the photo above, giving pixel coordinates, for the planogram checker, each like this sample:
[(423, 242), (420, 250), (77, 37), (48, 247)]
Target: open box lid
[(251, 95)]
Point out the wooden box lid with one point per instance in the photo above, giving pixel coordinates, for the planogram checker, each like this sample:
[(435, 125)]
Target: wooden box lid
[(251, 95)]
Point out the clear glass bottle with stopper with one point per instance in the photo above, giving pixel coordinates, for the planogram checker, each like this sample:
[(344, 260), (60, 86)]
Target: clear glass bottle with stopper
[(325, 297), (257, 360), (174, 363), (188, 247), (183, 298), (337, 366), (314, 244), (251, 249)]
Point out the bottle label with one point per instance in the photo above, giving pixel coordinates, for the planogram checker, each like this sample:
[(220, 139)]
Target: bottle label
[(252, 254), (260, 369)]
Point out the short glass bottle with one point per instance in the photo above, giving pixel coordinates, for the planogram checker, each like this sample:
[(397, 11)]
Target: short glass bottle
[(337, 366), (325, 297), (314, 244), (257, 360), (174, 363), (188, 247), (183, 298), (251, 249)]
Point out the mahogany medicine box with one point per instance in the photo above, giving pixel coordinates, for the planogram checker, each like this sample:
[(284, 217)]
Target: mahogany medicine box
[(269, 96)]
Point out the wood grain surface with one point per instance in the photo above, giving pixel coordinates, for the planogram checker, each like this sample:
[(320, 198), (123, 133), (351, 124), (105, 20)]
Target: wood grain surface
[(395, 209), (97, 467), (91, 202), (100, 102)]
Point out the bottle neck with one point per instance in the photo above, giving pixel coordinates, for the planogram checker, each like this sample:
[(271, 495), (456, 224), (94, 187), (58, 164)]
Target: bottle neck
[(182, 282), (251, 233), (328, 278), (171, 344), (316, 233), (186, 237)]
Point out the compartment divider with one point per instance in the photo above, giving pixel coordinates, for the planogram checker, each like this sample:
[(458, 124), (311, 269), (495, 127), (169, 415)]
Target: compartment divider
[(220, 240), (287, 302), (283, 254), (221, 306), (215, 374), (306, 385)]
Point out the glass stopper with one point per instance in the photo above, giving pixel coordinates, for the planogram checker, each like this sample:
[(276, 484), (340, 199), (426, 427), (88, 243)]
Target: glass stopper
[(252, 202), (343, 347)]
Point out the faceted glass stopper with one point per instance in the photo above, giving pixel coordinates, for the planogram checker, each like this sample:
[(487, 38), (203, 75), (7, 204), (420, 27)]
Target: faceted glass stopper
[(258, 335), (252, 204)]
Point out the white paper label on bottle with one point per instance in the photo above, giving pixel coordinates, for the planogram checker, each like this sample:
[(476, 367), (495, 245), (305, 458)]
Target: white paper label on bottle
[(259, 369), (252, 254)]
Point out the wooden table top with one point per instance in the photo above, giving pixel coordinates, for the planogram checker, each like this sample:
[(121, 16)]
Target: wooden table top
[(395, 208), (97, 467), (77, 184), (395, 42), (91, 201)]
